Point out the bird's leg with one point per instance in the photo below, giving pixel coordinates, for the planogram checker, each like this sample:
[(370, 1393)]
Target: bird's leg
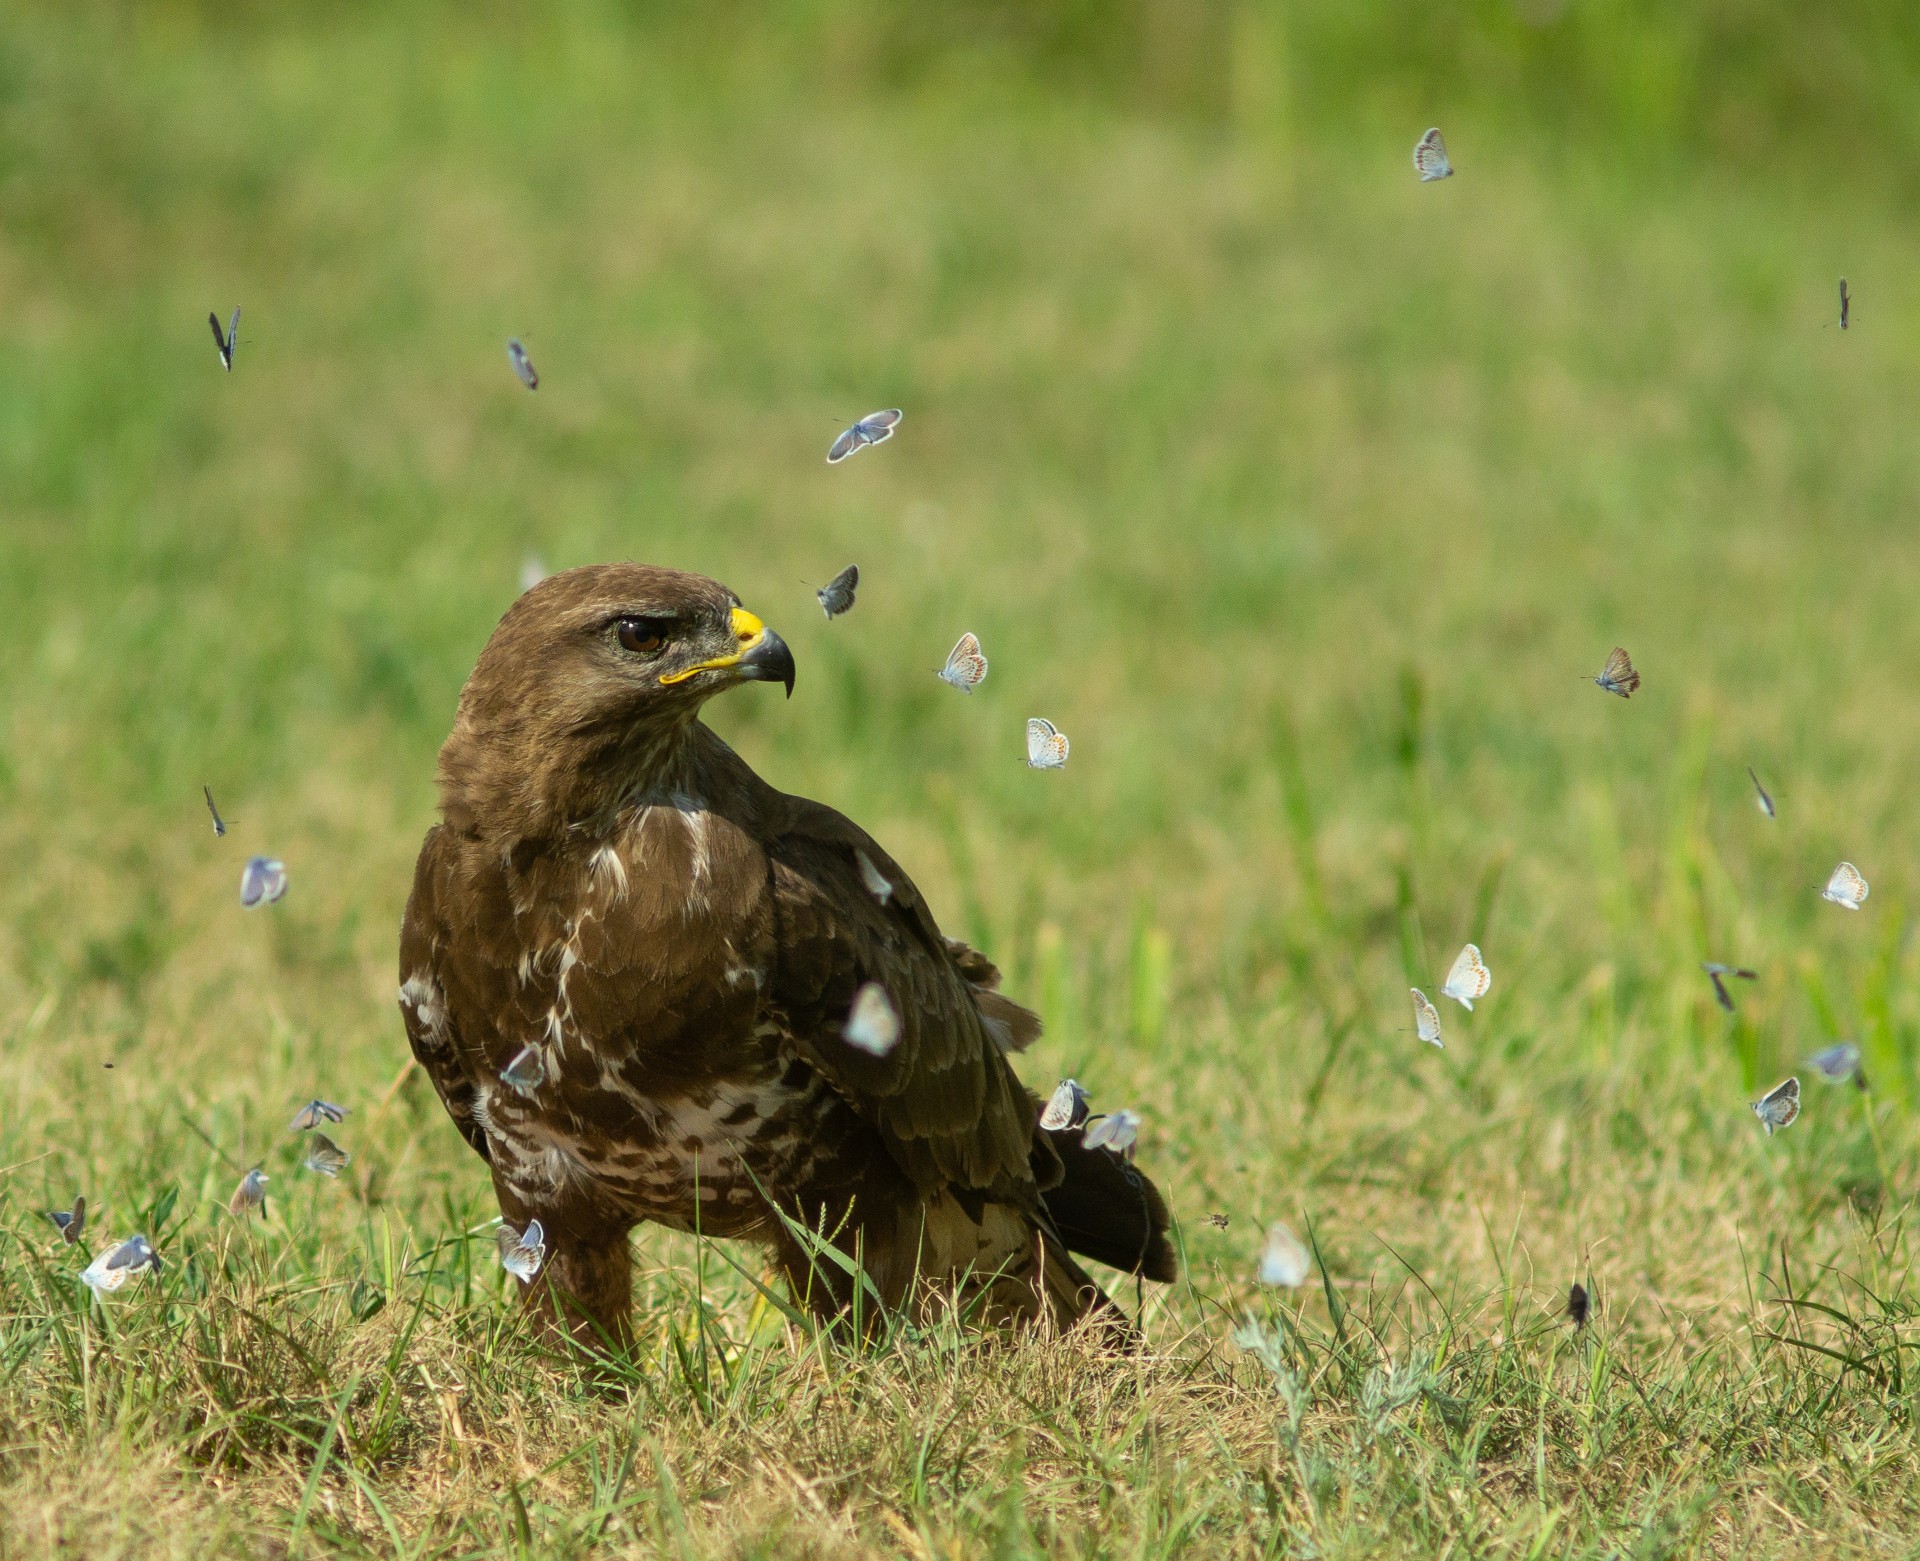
[(584, 1290)]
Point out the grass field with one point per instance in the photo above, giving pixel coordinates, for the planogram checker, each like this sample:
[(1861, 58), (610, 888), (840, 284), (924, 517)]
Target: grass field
[(1300, 495)]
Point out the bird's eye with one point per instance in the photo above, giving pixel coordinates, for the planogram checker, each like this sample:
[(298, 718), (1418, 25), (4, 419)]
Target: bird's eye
[(642, 636)]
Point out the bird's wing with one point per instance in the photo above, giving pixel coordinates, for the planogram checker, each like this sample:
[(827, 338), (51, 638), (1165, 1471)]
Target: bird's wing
[(944, 1099), (423, 998)]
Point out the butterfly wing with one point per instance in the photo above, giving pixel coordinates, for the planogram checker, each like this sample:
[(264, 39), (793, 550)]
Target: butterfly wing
[(1066, 1108), (849, 441), (837, 595), (1430, 159), (1618, 676), (1426, 1018), (1469, 979), (872, 1026), (1046, 746), (1846, 887), (1284, 1261), (1780, 1107), (966, 668)]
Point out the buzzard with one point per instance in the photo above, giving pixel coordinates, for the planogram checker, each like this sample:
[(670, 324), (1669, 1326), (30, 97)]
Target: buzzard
[(681, 944)]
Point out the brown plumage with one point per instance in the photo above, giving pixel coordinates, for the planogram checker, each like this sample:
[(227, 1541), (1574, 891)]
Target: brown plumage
[(612, 885)]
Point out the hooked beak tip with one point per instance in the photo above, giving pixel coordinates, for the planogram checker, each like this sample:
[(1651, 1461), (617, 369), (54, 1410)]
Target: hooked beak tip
[(770, 661)]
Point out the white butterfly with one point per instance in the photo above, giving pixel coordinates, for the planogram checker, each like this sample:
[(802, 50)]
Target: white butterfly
[(102, 1278), (522, 364), (1430, 158), (966, 668), (1838, 1063), (873, 1025), (526, 1073), (874, 428), (1284, 1261), (112, 1268), (533, 570), (836, 596), (1426, 1018), (1066, 1109), (1046, 745), (250, 1194), (1469, 979), (1846, 888), (1779, 1106), (1118, 1132), (314, 1112), (325, 1156), (522, 1251), (262, 881), (228, 342)]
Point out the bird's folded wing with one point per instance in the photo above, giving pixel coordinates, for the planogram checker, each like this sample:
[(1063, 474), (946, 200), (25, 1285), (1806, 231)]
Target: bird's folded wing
[(423, 999), (945, 1100)]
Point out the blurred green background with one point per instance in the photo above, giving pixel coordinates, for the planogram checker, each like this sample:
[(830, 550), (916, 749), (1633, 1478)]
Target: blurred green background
[(1302, 496)]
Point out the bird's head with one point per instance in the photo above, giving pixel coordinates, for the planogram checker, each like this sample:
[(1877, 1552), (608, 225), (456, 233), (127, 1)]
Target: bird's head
[(591, 682)]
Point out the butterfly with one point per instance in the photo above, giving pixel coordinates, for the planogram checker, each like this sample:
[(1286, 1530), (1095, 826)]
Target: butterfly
[(966, 668), (250, 1194), (263, 881), (1119, 1132), (228, 342), (219, 824), (522, 1251), (1846, 888), (1426, 1018), (836, 596), (1618, 676), (874, 428), (1469, 979), (325, 1156), (112, 1268), (1760, 798), (1844, 303), (522, 364), (876, 881), (1215, 1222), (1720, 992), (1046, 745), (1284, 1261), (1838, 1064), (100, 1278), (1578, 1302), (1066, 1108), (1779, 1106), (1430, 158), (532, 571), (873, 1025), (71, 1224), (526, 1073), (313, 1113)]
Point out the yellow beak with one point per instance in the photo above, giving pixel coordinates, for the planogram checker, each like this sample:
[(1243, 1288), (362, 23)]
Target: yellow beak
[(771, 659)]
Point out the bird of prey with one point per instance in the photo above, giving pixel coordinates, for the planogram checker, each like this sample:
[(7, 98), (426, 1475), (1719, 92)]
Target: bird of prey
[(683, 945)]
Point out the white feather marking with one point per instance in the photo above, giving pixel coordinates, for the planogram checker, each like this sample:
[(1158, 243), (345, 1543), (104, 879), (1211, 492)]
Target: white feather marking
[(609, 873), (422, 994)]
